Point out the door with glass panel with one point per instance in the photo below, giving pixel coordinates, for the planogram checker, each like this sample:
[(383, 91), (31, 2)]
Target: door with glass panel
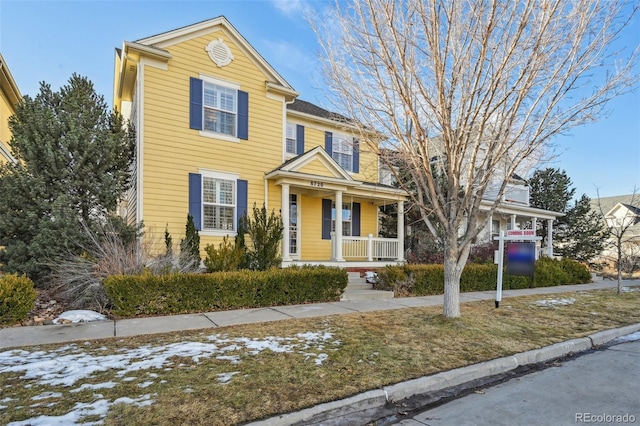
[(294, 248)]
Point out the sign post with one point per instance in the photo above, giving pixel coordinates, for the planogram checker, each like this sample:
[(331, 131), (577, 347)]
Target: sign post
[(520, 256)]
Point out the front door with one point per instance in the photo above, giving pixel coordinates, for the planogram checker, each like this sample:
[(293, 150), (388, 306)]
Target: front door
[(293, 227)]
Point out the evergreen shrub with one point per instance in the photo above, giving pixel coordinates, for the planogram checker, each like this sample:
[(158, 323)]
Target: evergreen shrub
[(17, 298), (229, 256), (423, 280), (148, 294)]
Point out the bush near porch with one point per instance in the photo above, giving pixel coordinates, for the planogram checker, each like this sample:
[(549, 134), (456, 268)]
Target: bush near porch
[(423, 280), (148, 294)]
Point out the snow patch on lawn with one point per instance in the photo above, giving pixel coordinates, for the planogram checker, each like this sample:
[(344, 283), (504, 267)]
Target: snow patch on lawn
[(629, 289), (226, 377), (47, 395), (105, 385), (70, 364), (81, 410), (555, 302)]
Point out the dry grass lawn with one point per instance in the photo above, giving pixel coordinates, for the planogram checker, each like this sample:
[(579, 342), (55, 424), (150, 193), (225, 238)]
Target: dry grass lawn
[(364, 351)]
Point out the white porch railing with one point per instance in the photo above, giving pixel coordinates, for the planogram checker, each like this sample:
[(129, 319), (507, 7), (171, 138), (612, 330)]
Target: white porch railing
[(369, 248), (517, 194)]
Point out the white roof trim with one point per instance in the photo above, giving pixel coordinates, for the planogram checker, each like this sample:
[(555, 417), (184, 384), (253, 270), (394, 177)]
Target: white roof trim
[(504, 208), (619, 206), (317, 153), (201, 28)]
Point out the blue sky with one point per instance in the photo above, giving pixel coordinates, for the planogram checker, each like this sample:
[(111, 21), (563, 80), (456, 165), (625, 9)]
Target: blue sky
[(50, 40)]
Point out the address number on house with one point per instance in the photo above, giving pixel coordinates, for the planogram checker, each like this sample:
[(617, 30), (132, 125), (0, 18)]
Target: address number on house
[(316, 184)]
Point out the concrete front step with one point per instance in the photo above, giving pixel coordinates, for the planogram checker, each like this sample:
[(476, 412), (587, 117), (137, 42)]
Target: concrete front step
[(350, 294), (359, 286), (359, 289)]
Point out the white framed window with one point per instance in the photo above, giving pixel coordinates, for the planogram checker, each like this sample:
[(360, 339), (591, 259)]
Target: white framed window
[(291, 138), (347, 218), (495, 228), (343, 151), (220, 108), (218, 202)]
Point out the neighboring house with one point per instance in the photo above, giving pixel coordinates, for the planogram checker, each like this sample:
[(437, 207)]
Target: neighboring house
[(9, 98), (619, 212), (514, 212), (219, 130)]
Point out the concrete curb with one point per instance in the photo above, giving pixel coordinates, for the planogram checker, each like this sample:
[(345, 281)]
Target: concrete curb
[(356, 403), (447, 379), (602, 337)]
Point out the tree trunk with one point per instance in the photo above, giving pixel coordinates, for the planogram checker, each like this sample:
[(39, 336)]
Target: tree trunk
[(619, 264), (453, 266)]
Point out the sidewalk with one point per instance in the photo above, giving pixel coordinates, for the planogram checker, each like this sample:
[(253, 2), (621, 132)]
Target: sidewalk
[(37, 335)]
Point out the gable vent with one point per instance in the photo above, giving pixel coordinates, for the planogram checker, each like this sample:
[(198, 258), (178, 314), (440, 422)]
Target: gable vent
[(219, 52)]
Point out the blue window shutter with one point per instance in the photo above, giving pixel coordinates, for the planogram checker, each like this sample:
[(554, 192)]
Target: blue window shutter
[(355, 219), (356, 156), (328, 143), (195, 199), (195, 104), (243, 199), (243, 115), (299, 139), (326, 219)]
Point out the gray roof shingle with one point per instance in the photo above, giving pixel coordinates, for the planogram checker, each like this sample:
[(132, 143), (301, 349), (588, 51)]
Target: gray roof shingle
[(312, 109)]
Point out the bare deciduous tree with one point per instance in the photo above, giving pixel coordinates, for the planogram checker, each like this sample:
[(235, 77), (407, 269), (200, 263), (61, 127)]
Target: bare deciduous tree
[(617, 227), (465, 93)]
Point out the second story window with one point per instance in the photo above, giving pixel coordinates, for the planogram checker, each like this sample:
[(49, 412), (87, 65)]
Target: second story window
[(219, 109), (343, 151), (291, 138)]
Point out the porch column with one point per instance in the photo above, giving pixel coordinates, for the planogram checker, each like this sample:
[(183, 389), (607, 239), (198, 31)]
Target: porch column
[(513, 222), (338, 253), (285, 222), (400, 231), (534, 226), (490, 228), (550, 237)]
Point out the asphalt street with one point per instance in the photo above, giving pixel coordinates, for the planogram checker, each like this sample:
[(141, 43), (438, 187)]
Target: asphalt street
[(599, 387)]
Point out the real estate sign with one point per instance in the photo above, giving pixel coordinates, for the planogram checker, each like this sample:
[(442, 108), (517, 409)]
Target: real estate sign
[(521, 258)]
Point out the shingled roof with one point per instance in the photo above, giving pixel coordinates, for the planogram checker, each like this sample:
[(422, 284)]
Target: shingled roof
[(312, 109)]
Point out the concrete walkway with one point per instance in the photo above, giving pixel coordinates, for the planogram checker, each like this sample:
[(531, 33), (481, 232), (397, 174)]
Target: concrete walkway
[(36, 335)]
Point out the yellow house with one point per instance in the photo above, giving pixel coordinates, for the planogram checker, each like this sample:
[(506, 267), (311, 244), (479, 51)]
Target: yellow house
[(9, 98), (218, 129)]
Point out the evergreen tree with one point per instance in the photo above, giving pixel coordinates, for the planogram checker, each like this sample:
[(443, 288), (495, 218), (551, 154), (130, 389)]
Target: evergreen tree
[(550, 189), (168, 242), (190, 247), (73, 159), (265, 231), (582, 234), (579, 233)]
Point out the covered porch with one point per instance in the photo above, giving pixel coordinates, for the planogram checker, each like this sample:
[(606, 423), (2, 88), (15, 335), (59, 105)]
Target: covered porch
[(331, 219), (511, 217)]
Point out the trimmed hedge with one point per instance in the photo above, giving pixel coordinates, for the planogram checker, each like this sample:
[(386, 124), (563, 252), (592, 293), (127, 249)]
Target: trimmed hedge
[(183, 293), (423, 280), (17, 298)]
